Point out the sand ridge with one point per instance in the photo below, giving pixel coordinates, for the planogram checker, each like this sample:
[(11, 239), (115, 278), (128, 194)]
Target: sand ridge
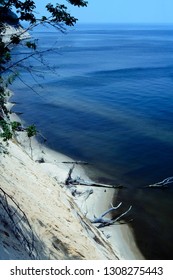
[(59, 220)]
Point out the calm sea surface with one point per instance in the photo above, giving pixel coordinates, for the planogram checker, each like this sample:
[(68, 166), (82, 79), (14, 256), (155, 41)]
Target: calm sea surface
[(109, 100)]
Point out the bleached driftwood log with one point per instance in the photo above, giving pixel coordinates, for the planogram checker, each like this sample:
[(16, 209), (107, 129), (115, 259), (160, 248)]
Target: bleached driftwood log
[(163, 183), (75, 191), (72, 184), (76, 162), (103, 222), (78, 181)]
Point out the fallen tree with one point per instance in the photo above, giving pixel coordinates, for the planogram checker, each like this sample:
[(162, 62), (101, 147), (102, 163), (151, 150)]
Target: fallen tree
[(162, 184), (103, 222), (78, 181)]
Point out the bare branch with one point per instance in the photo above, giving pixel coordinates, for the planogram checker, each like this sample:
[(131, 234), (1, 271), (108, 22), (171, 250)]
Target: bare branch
[(69, 179), (163, 183), (31, 88), (111, 209), (76, 162), (107, 222)]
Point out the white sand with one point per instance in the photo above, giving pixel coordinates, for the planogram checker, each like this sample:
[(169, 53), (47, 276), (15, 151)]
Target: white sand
[(60, 221), (58, 224), (53, 212)]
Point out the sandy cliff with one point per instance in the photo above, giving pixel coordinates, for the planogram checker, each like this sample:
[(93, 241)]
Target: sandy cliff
[(45, 221), (58, 230), (41, 219)]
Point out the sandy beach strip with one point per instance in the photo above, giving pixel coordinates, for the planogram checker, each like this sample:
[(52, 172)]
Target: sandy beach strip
[(118, 239)]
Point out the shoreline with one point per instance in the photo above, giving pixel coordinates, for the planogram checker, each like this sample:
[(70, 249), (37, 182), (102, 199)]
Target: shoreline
[(119, 236)]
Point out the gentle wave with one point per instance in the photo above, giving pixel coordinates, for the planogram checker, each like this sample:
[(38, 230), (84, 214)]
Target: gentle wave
[(137, 72)]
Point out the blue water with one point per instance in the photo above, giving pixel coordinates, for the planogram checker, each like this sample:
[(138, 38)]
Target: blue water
[(109, 100)]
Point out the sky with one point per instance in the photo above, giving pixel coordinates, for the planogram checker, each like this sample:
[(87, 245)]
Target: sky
[(120, 11)]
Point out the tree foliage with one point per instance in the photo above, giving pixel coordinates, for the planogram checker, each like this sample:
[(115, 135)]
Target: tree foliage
[(25, 11), (15, 12)]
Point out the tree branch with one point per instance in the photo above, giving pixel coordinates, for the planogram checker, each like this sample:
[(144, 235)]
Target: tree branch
[(163, 183), (107, 222)]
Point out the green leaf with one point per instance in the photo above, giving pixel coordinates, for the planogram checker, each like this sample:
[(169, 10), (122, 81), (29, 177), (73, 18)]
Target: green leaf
[(31, 45), (31, 131), (15, 125)]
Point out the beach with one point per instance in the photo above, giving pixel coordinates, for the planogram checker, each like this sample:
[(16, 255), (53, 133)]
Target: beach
[(44, 218), (60, 221)]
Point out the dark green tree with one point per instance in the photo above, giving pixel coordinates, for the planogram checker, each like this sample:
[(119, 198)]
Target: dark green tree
[(14, 12)]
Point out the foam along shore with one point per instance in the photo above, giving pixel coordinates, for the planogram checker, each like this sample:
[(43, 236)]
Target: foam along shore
[(59, 225)]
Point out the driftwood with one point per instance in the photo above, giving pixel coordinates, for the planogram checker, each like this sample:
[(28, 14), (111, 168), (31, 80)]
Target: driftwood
[(94, 184), (78, 181), (75, 191), (41, 160), (161, 184), (69, 180), (76, 162), (71, 183), (103, 222)]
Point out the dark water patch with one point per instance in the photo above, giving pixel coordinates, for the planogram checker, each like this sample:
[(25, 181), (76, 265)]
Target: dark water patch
[(152, 223)]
